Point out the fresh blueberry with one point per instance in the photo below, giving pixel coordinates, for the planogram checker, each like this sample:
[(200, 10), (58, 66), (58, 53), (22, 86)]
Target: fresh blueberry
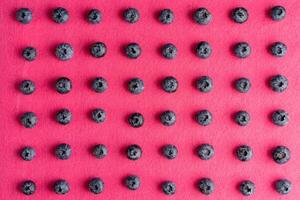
[(100, 151), (278, 49), (24, 15), (279, 83), (29, 53), (170, 84), (136, 120), (242, 85), (99, 85), (169, 51), (131, 15), (247, 188), (98, 115), (283, 186), (64, 116), (166, 16), (96, 185), (134, 152), (63, 85), (278, 13), (168, 118), (204, 117), (280, 118), (60, 15), (64, 51), (244, 153), (94, 16), (27, 87), (63, 151), (242, 118), (168, 187), (202, 16), (242, 50), (203, 50), (204, 84), (29, 119), (281, 154), (98, 50), (206, 186), (28, 153), (61, 187), (133, 50), (132, 182), (205, 151), (239, 15), (170, 151), (28, 187), (136, 86)]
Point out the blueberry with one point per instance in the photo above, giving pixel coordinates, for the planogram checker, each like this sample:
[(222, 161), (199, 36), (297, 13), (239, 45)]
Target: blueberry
[(98, 50), (28, 187), (132, 182), (168, 118), (170, 151), (244, 153), (202, 16), (281, 154), (204, 117), (96, 185), (133, 50), (64, 116), (131, 15), (64, 51), (94, 16), (205, 151), (278, 13), (247, 188), (63, 151), (242, 85), (204, 84), (134, 152), (278, 49), (280, 118), (168, 187), (136, 120), (99, 85), (63, 85), (29, 53), (206, 186), (242, 50), (169, 51), (28, 153), (29, 119), (166, 16), (100, 151), (283, 186), (61, 187), (136, 86), (242, 118), (98, 115), (203, 50), (239, 15), (170, 84), (60, 15), (279, 83), (27, 87), (24, 15)]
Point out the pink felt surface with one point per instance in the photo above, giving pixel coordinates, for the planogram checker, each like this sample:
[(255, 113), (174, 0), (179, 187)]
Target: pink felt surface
[(225, 170)]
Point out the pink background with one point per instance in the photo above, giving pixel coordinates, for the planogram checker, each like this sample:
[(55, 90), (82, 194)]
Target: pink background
[(226, 171)]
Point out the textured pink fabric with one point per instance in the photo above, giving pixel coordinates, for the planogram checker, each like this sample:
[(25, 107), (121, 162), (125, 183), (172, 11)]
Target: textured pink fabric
[(226, 171)]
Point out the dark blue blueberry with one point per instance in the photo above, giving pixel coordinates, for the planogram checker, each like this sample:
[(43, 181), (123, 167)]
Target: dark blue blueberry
[(136, 86), (61, 187), (24, 15), (205, 151), (94, 16), (27, 87), (279, 83), (168, 118), (166, 16), (132, 182), (244, 153), (99, 85), (134, 152), (170, 84), (28, 153), (278, 13), (281, 154), (206, 186), (133, 50), (247, 188), (131, 15), (168, 187), (96, 185), (136, 120), (204, 117), (60, 15), (29, 120), (64, 116), (280, 118), (203, 50), (242, 118), (242, 50), (98, 50), (242, 85), (64, 51), (283, 186), (28, 187), (98, 115), (63, 85), (169, 51), (29, 53), (63, 151), (100, 151), (204, 84), (202, 16), (239, 15), (278, 49), (170, 151)]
